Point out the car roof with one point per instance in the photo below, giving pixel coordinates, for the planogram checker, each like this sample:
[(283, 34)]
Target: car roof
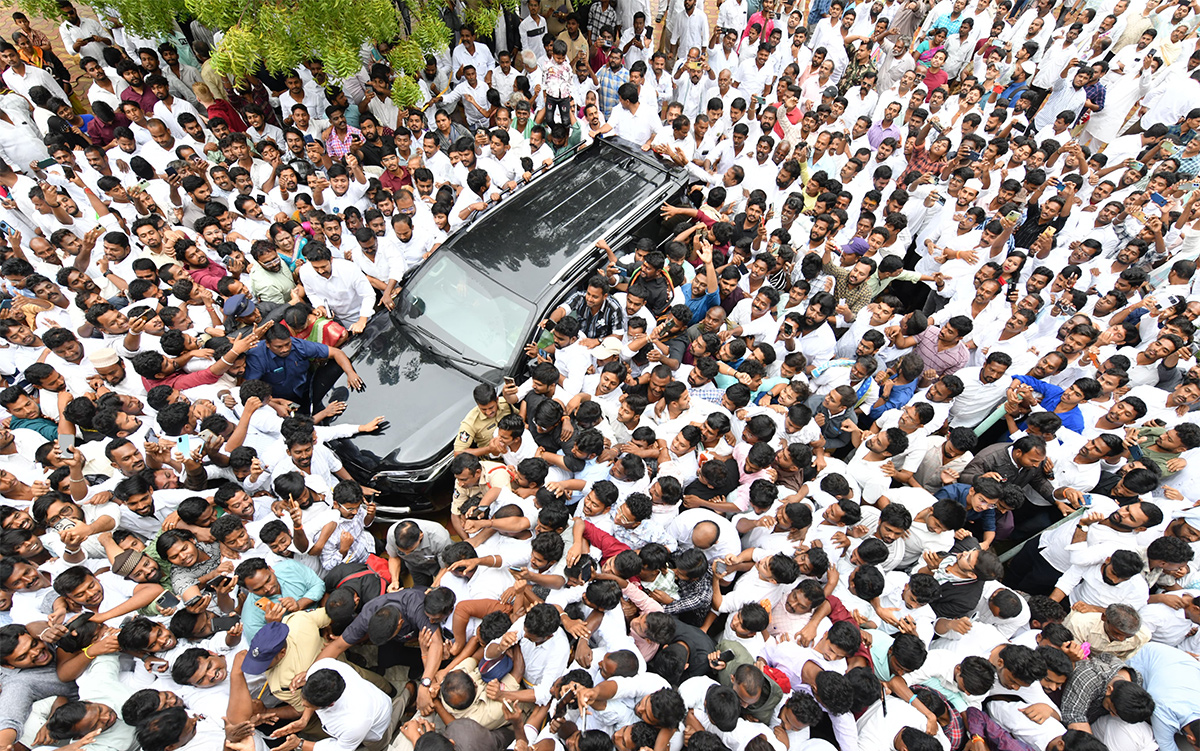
[(526, 243)]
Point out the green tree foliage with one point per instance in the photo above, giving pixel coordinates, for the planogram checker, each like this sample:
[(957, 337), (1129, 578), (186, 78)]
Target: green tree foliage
[(281, 34)]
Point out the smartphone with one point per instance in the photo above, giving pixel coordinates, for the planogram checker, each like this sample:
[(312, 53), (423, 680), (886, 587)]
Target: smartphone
[(263, 603), (1137, 166), (509, 381), (184, 444), (974, 156), (167, 600), (66, 442), (172, 172), (727, 656), (62, 525), (78, 622), (1158, 199), (3, 192), (143, 184), (223, 623), (308, 139), (7, 228), (939, 198), (220, 581), (1014, 216), (70, 173), (194, 601), (722, 567), (208, 437), (47, 162), (148, 315)]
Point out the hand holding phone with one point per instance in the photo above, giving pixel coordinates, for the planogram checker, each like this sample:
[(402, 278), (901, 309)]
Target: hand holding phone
[(167, 601)]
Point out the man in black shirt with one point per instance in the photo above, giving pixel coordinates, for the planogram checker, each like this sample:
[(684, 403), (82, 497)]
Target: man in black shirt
[(652, 281), (374, 144)]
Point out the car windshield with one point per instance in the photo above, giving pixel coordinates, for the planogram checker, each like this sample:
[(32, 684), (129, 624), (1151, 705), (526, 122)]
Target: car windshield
[(475, 315)]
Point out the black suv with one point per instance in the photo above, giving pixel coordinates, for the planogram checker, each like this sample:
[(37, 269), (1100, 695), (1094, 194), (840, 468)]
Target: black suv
[(466, 314)]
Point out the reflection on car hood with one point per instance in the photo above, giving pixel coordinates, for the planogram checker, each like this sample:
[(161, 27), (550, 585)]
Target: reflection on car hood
[(420, 428)]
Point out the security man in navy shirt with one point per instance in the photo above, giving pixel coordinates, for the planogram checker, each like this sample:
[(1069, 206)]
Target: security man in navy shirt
[(282, 360)]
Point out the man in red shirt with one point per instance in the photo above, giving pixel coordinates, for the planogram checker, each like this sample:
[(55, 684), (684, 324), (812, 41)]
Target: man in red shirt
[(156, 369), (395, 173)]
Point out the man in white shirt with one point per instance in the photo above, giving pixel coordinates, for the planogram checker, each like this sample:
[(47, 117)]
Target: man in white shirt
[(544, 647), (754, 75), (352, 710), (532, 28), (21, 77), (169, 107), (1067, 95), (892, 724), (82, 36), (472, 92), (630, 120), (468, 52), (338, 286), (983, 389), (691, 28), (503, 77), (97, 92)]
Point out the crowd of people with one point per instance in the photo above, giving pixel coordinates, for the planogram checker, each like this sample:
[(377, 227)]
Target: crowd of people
[(886, 446)]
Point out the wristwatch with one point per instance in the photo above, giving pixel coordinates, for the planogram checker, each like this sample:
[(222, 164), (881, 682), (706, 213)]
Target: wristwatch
[(426, 682)]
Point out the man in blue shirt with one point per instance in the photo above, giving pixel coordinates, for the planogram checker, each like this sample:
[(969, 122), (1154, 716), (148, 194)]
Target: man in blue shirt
[(282, 360), (980, 499), (1063, 402), (702, 293), (290, 584), (1171, 677)]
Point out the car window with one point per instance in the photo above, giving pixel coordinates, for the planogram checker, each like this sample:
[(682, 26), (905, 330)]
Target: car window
[(473, 313)]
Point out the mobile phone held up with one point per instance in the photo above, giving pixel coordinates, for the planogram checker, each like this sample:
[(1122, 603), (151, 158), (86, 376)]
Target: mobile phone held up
[(166, 601)]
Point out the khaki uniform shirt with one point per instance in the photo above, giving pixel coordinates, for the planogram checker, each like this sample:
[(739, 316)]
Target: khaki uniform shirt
[(495, 475), (477, 431), (483, 710)]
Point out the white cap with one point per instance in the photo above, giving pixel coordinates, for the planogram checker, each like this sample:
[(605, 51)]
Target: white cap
[(975, 184)]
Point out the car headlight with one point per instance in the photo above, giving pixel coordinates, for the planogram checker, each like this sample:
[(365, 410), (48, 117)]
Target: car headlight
[(418, 475)]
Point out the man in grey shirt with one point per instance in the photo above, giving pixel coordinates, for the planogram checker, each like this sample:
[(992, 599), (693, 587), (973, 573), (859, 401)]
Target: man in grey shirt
[(28, 673), (417, 543)]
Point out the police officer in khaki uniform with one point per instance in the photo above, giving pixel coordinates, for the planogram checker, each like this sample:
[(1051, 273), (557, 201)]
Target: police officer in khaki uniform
[(479, 426), (473, 478)]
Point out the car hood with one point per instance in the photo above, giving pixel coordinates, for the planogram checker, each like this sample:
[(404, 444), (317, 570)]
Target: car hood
[(419, 429)]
